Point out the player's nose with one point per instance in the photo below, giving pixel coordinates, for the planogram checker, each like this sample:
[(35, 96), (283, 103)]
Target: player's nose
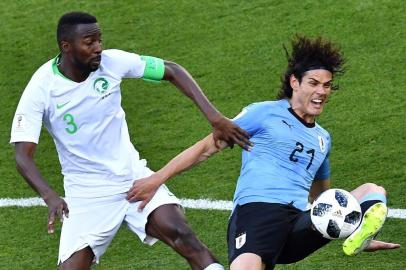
[(98, 47), (322, 90)]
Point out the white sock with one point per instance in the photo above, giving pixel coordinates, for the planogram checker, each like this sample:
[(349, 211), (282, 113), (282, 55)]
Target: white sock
[(214, 266)]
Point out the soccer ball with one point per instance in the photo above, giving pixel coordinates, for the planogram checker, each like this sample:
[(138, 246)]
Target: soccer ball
[(336, 213)]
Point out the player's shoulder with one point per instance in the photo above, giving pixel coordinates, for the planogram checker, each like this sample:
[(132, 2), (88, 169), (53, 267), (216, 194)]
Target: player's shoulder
[(322, 130), (42, 76), (269, 105), (110, 54), (113, 59), (41, 81), (44, 71), (260, 110)]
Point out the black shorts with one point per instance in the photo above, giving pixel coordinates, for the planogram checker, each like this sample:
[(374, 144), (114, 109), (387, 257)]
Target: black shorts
[(278, 233)]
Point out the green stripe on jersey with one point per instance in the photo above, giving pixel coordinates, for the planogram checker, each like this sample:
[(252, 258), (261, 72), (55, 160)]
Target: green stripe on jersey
[(55, 69)]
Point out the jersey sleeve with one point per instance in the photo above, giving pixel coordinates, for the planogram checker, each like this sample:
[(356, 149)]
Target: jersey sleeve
[(323, 172), (250, 118), (27, 121), (123, 64)]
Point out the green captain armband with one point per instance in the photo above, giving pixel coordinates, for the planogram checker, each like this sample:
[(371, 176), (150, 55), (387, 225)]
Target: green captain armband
[(154, 69)]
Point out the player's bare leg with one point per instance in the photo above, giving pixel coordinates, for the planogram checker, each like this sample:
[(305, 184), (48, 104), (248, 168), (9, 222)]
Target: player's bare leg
[(168, 224), (80, 260), (247, 261), (367, 188)]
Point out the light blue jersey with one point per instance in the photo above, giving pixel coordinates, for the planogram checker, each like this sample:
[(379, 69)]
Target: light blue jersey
[(287, 156)]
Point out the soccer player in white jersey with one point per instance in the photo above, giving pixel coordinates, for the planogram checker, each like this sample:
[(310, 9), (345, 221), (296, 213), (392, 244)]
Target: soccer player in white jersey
[(287, 167), (77, 97)]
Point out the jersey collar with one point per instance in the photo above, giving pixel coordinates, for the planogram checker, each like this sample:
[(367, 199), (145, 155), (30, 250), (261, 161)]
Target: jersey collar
[(309, 125), (55, 63)]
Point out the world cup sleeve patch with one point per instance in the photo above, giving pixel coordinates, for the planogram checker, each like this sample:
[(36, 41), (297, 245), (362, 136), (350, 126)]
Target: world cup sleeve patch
[(240, 240), (19, 123)]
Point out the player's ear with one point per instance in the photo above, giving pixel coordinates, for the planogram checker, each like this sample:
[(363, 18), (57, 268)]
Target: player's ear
[(65, 46), (294, 82)]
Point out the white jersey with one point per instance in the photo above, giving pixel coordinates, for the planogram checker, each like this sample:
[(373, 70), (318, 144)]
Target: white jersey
[(87, 123)]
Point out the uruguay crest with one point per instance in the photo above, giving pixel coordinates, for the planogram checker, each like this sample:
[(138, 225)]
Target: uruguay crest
[(240, 240), (322, 144)]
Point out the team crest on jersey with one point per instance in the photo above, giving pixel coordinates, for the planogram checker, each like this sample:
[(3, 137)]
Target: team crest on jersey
[(101, 85), (240, 240), (322, 144)]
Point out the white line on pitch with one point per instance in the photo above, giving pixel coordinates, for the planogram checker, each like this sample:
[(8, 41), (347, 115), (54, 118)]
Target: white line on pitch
[(188, 203)]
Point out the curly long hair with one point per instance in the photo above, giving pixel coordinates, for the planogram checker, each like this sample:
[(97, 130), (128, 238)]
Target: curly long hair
[(310, 54)]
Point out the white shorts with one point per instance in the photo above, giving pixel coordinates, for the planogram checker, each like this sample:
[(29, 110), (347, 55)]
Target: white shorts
[(94, 222)]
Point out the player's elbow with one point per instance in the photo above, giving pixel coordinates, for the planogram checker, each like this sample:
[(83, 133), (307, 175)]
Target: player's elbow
[(172, 71), (18, 155), (23, 155), (19, 160)]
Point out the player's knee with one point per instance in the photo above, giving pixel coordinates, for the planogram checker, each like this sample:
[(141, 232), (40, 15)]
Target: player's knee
[(184, 238), (74, 264), (81, 259), (373, 188)]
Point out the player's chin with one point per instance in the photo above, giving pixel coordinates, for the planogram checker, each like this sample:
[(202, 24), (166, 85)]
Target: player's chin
[(94, 66), (316, 110)]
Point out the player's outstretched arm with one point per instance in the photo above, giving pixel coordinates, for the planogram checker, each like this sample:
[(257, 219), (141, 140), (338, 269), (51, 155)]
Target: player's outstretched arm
[(24, 157), (224, 128), (144, 189)]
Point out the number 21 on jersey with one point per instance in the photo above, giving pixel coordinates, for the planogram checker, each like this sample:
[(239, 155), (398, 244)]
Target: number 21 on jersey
[(299, 148)]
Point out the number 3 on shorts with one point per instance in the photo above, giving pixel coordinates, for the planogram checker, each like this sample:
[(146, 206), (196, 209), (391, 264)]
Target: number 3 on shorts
[(70, 121)]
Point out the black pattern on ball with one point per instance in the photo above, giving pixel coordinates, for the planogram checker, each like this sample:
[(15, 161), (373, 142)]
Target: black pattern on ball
[(321, 209), (341, 198), (333, 230), (353, 217)]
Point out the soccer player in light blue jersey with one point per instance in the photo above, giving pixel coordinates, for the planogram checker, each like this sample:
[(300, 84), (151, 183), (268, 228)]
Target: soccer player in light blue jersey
[(284, 171)]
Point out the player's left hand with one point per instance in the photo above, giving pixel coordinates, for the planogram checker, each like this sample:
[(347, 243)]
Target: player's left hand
[(143, 190), (226, 130), (376, 245)]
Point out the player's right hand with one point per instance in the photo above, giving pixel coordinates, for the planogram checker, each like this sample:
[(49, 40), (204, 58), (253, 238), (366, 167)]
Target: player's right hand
[(226, 130), (143, 190), (57, 207)]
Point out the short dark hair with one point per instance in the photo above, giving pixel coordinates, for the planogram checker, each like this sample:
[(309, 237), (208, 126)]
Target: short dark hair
[(68, 22), (308, 54)]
